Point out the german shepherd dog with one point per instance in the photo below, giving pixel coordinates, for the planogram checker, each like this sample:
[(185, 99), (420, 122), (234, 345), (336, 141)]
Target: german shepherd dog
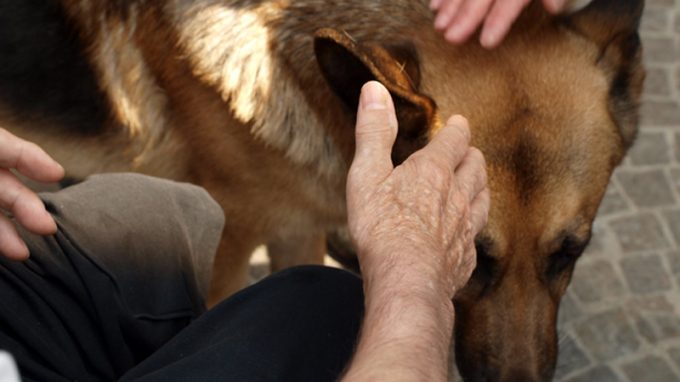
[(254, 100)]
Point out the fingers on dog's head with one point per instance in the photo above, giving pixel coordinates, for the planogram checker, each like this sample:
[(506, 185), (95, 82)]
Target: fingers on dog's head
[(471, 173), (499, 20), (479, 210), (451, 143)]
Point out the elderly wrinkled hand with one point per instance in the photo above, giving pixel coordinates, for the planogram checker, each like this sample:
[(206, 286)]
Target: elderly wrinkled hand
[(414, 224), (19, 201)]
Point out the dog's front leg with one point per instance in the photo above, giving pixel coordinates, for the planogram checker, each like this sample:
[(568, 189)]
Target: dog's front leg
[(297, 250), (231, 266)]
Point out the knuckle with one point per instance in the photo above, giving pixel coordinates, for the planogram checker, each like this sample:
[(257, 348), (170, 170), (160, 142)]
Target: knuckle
[(476, 158), (481, 180), (373, 128), (459, 206), (435, 170), (440, 169), (374, 117), (484, 177), (11, 197), (459, 196), (467, 191), (437, 180), (31, 147)]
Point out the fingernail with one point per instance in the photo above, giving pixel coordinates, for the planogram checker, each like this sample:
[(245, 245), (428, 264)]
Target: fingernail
[(26, 253), (373, 96), (453, 34), (19, 251), (458, 121), (440, 21), (434, 4), (53, 224), (488, 39)]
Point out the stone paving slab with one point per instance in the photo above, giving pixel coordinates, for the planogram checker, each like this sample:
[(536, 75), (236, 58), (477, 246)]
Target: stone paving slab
[(620, 320)]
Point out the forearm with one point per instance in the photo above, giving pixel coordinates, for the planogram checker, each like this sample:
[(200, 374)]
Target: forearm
[(405, 336)]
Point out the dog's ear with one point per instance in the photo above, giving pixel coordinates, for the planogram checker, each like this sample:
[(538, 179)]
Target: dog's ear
[(605, 20), (347, 65), (613, 26)]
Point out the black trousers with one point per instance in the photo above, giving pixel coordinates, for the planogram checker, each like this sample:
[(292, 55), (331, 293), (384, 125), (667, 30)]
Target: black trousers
[(118, 294)]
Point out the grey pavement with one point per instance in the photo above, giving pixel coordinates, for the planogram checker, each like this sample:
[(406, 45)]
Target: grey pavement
[(620, 320)]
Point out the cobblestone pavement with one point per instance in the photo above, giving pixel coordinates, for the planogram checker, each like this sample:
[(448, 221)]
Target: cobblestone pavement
[(620, 320)]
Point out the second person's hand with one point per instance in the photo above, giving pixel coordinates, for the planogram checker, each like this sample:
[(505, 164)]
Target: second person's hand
[(16, 199), (458, 19)]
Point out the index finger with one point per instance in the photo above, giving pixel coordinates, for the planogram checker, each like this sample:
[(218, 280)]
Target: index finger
[(28, 158), (499, 21), (450, 144)]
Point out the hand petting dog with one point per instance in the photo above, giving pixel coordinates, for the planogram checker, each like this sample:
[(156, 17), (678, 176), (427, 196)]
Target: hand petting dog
[(425, 211), (414, 227), (459, 19), (15, 198)]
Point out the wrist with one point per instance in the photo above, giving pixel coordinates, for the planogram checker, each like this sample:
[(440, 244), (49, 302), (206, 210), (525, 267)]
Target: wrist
[(410, 303), (407, 277), (409, 292), (406, 335)]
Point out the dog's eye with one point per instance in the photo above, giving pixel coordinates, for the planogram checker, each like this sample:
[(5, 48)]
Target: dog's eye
[(565, 258)]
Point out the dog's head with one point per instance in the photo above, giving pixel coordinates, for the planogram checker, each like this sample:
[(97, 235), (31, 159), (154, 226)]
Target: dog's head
[(554, 110)]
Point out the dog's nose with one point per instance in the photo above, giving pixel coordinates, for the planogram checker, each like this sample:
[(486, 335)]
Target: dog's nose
[(519, 375), (516, 374)]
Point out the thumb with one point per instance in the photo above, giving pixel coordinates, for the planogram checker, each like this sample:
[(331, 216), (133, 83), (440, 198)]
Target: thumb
[(376, 131)]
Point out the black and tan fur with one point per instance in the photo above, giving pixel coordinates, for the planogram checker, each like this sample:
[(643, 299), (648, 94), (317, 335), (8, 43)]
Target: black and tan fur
[(254, 99)]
